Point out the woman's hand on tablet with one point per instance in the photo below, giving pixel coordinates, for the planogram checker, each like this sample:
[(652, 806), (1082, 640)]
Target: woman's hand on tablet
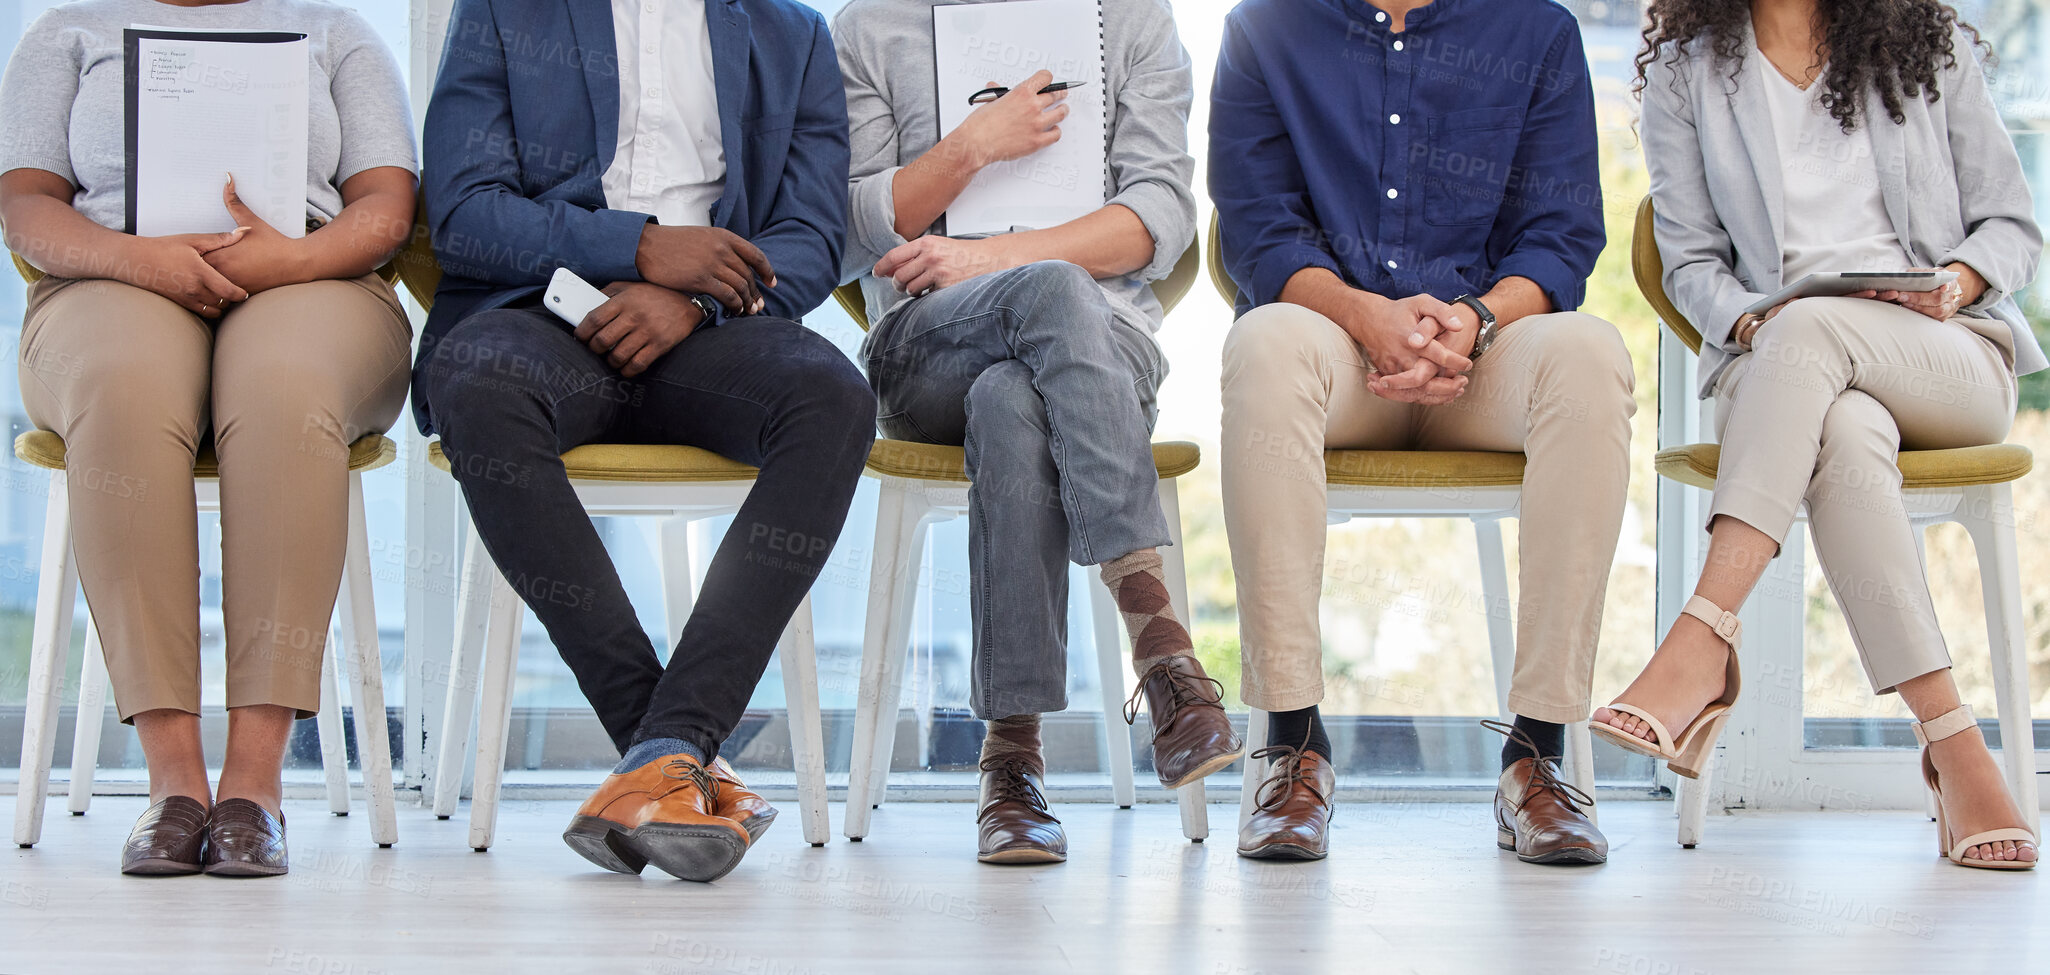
[(1942, 304)]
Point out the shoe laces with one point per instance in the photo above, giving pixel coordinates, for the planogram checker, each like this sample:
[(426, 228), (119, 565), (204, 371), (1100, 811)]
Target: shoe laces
[(683, 770), (1542, 775), (1183, 691), (1284, 777), (1011, 785)]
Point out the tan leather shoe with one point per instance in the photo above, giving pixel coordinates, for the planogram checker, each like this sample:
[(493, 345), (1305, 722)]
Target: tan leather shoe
[(1013, 823), (1192, 737), (1541, 817), (664, 813), (1292, 809), (737, 803)]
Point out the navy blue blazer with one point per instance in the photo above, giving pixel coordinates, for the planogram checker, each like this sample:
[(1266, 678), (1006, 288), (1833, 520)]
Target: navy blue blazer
[(524, 119)]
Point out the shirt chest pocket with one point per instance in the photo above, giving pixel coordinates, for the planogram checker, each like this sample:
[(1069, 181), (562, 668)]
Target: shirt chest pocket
[(1465, 164)]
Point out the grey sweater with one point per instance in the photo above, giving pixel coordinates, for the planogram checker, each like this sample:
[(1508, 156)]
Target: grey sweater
[(886, 61)]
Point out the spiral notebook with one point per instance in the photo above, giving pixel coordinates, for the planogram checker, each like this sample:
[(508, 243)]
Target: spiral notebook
[(975, 44)]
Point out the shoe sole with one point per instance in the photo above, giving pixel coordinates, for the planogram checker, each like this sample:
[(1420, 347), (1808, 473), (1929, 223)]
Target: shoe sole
[(696, 853), (604, 843), (160, 868), (1281, 851), (1210, 767), (1022, 855), (1506, 839), (230, 868)]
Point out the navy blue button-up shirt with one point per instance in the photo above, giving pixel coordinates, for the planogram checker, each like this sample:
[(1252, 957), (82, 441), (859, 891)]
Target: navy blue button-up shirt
[(1439, 160)]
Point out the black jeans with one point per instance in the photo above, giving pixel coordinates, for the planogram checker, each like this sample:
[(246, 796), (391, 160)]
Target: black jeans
[(511, 389)]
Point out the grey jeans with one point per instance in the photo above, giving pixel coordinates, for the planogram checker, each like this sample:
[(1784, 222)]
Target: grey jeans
[(1053, 397)]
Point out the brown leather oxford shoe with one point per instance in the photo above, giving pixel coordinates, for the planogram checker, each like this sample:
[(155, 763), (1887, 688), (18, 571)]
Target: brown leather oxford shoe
[(169, 839), (1192, 737), (1292, 809), (664, 813), (736, 802), (1012, 821), (1540, 816), (243, 839)]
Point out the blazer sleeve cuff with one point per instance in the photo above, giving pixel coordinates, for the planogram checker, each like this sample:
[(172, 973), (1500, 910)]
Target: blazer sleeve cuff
[(613, 242), (1981, 257)]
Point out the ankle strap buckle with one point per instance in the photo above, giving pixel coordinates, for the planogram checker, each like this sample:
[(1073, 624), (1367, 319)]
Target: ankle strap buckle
[(1722, 621), (1944, 725)]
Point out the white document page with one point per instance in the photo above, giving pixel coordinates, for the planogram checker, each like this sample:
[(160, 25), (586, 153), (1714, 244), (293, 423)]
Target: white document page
[(204, 107), (976, 45)]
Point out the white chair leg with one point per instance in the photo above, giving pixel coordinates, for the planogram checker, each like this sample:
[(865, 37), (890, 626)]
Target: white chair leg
[(1580, 764), (1249, 786), (901, 523), (1487, 536), (358, 613), (1989, 517), (501, 664), (92, 716), (1692, 798), (676, 568), (473, 614), (56, 586), (807, 728), (1110, 669), (334, 752), (1195, 808)]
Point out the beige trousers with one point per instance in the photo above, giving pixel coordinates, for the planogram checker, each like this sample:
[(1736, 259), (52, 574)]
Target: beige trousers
[(1557, 387), (1830, 392), (283, 383)]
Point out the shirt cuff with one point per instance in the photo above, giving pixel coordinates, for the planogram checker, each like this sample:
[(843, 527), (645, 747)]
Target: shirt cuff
[(1161, 213), (872, 227), (1565, 288), (1272, 271)]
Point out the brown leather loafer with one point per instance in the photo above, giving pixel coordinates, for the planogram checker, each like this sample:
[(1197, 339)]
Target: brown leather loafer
[(1292, 809), (1013, 823), (169, 839), (243, 839), (1192, 737), (1539, 815), (737, 803), (664, 813)]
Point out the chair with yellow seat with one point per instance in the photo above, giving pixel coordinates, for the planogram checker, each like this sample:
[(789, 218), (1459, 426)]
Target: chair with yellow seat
[(355, 627), (1966, 485), (1481, 486), (925, 484), (679, 484)]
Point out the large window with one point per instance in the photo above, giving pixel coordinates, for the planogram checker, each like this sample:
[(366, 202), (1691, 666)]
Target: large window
[(1406, 651)]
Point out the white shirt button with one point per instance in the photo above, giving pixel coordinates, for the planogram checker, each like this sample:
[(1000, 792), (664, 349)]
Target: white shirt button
[(1391, 265), (1398, 45), (1380, 16), (1394, 120), (1391, 192)]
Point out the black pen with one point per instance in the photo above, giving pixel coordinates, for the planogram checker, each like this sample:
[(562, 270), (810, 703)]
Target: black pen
[(992, 94)]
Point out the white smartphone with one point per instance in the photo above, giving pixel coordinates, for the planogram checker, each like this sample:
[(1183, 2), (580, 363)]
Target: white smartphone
[(571, 297)]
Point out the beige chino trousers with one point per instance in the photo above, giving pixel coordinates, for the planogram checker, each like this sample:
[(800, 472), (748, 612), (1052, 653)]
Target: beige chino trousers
[(283, 383), (1817, 411), (1557, 387)]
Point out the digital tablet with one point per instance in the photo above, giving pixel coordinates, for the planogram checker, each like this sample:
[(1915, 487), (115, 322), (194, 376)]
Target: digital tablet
[(1828, 284)]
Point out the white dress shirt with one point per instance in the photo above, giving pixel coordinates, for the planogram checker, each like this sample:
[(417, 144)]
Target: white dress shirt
[(669, 160)]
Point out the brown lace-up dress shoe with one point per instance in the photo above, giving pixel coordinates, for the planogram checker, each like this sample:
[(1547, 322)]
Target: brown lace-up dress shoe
[(169, 839), (1540, 816), (1191, 735), (664, 813), (1292, 810), (243, 839), (1014, 825), (737, 803)]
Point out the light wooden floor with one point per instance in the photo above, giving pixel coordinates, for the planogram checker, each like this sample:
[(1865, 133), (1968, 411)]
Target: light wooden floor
[(1417, 887)]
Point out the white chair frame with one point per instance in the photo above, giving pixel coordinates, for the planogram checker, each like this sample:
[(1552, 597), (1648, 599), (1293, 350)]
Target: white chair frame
[(1485, 507), (354, 626), (488, 636), (907, 507)]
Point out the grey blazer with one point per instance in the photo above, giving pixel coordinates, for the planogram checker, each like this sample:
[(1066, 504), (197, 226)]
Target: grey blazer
[(1715, 184)]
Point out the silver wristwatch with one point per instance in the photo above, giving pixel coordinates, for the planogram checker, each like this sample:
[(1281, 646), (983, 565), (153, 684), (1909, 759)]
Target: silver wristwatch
[(707, 305), (1486, 336)]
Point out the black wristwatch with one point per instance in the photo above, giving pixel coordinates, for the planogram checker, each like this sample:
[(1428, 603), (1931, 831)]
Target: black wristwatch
[(708, 306), (1486, 336)]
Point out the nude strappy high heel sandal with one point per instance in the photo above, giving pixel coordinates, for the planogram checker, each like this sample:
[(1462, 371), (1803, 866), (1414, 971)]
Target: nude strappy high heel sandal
[(1934, 730), (1687, 753)]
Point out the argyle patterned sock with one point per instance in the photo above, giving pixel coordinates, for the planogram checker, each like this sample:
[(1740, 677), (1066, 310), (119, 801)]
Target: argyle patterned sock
[(1139, 585)]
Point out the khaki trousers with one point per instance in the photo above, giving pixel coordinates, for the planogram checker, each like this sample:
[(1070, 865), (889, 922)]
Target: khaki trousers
[(1816, 412), (283, 383), (1557, 387)]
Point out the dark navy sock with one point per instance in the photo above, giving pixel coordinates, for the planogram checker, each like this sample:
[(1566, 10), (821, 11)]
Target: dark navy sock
[(1550, 739), (1291, 728), (647, 751)]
